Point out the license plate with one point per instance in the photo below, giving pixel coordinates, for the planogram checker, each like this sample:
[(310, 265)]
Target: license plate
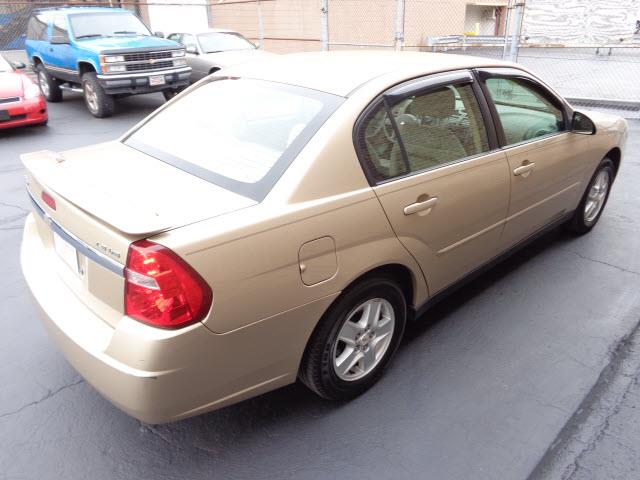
[(4, 115), (66, 252), (156, 80)]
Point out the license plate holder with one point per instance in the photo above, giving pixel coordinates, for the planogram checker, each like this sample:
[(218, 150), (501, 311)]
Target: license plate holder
[(4, 115), (66, 252), (156, 80)]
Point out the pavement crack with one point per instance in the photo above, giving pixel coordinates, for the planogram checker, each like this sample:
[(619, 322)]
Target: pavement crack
[(602, 262), (155, 432), (50, 394), (591, 420), (11, 205)]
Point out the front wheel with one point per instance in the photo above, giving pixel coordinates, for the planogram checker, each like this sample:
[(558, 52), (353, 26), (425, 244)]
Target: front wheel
[(355, 340), (48, 85), (169, 94), (98, 102), (594, 199)]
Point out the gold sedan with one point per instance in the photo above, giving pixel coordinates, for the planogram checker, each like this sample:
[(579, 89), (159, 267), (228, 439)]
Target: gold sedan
[(284, 219)]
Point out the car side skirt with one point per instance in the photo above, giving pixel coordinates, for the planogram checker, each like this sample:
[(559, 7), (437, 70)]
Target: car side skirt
[(422, 309)]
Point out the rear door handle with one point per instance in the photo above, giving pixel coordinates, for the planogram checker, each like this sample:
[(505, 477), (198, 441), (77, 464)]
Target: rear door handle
[(524, 169), (421, 206)]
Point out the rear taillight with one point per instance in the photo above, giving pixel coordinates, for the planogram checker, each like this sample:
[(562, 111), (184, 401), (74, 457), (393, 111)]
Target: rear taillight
[(48, 199), (161, 289)]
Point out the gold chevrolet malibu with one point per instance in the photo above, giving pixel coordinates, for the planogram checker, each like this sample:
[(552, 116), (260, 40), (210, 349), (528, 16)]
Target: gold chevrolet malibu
[(284, 219)]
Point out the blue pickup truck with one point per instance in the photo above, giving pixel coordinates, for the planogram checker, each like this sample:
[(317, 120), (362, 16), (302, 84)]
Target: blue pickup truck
[(105, 53)]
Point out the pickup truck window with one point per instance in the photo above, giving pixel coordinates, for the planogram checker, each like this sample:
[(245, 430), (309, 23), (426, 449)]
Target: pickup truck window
[(60, 30), (239, 134), (106, 24), (37, 27)]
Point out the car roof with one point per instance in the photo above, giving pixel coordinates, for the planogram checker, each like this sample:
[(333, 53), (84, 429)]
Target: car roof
[(206, 30), (81, 9), (343, 72)]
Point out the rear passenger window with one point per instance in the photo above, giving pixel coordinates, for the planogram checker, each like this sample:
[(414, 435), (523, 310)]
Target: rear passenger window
[(436, 128), (37, 27), (524, 110)]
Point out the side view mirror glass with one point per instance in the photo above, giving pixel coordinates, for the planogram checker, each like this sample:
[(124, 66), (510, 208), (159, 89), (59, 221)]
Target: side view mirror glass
[(192, 49), (582, 124)]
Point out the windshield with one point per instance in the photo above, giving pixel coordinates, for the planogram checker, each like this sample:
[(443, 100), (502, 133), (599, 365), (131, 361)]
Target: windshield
[(221, 42), (106, 24), (237, 133), (4, 65)]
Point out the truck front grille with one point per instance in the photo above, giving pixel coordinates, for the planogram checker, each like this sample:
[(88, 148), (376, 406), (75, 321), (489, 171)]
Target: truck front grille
[(146, 56), (137, 67)]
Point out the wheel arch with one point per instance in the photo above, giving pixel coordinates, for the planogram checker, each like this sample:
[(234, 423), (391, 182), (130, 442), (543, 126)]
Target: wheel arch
[(615, 155), (85, 66), (36, 60)]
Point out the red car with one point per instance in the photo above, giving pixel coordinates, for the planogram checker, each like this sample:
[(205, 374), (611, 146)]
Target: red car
[(21, 102)]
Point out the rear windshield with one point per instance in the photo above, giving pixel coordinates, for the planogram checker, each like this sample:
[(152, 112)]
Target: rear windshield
[(240, 134)]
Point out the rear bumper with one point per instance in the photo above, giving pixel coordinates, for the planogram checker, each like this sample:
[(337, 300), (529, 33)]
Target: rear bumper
[(26, 112), (139, 82), (156, 375)]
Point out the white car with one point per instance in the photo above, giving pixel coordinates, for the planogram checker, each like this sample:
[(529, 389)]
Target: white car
[(210, 50)]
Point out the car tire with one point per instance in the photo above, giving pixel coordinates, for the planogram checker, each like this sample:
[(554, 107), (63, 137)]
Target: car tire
[(99, 103), (48, 85), (326, 365), (593, 200), (169, 94)]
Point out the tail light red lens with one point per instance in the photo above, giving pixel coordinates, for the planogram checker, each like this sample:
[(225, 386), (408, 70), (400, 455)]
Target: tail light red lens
[(161, 289), (49, 200)]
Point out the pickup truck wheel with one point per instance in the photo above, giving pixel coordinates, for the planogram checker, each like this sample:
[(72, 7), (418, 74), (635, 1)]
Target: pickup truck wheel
[(48, 85), (98, 102), (169, 94)]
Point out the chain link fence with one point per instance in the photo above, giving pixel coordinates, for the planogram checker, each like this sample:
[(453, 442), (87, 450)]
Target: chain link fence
[(588, 51)]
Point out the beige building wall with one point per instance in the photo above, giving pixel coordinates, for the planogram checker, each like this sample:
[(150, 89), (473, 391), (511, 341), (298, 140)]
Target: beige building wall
[(295, 25)]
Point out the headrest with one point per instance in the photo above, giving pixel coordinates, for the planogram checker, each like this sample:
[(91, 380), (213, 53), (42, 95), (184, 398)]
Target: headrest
[(439, 104)]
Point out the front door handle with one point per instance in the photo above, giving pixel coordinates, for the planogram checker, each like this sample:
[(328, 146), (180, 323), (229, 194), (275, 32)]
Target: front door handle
[(524, 170), (421, 206)]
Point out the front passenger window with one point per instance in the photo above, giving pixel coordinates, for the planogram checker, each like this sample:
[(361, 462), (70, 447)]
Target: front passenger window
[(524, 111)]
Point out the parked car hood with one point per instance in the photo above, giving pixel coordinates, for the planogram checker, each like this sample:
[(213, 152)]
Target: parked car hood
[(133, 192), (124, 42), (10, 85), (234, 57)]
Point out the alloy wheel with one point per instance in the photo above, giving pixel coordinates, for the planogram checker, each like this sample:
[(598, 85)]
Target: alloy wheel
[(363, 339), (596, 196)]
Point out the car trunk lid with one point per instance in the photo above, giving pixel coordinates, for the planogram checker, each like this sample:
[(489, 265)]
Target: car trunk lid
[(107, 196)]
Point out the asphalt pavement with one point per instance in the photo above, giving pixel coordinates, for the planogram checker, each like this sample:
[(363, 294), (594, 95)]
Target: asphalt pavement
[(528, 371)]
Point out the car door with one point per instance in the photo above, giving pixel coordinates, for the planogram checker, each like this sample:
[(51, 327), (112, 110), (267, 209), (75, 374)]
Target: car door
[(200, 66), (544, 156), (61, 50), (436, 169)]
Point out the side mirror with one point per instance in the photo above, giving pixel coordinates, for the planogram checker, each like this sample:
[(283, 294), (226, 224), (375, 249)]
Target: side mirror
[(18, 65), (158, 34), (582, 124), (59, 40), (192, 49)]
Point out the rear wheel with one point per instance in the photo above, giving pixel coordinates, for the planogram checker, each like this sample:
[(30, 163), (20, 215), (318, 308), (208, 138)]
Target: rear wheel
[(97, 101), (48, 85), (355, 340), (594, 199)]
